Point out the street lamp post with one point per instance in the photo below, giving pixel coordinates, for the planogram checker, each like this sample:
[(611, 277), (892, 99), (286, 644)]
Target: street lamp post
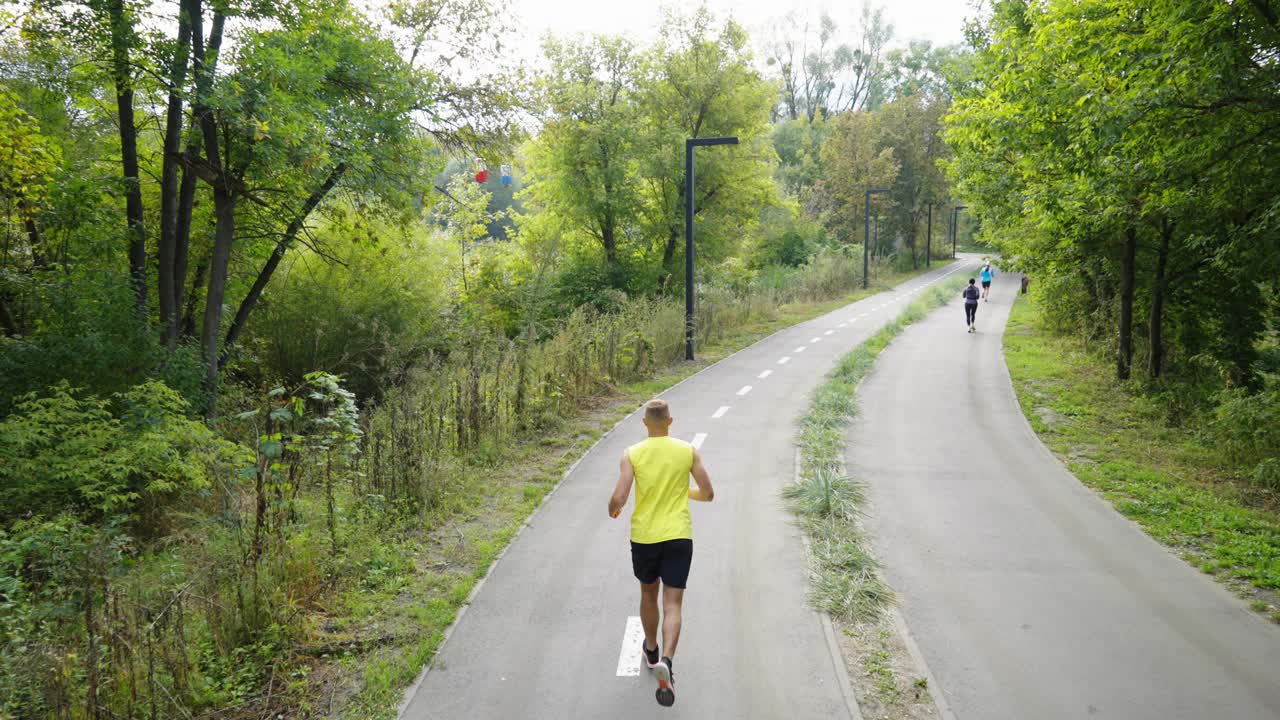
[(689, 145), (866, 235), (955, 227)]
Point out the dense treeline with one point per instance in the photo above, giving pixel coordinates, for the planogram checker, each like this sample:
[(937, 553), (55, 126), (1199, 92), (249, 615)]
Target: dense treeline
[(259, 318), (1126, 154)]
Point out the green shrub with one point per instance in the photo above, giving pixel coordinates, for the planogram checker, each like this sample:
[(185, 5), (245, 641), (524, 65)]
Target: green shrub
[(1246, 428), (383, 309), (86, 333), (67, 451)]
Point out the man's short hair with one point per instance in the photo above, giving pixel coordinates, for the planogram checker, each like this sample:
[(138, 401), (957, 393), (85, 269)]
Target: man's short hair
[(657, 411)]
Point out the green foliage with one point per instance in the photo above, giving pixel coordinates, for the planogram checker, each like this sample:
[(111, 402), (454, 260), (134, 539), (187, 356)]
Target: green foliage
[(64, 451), (853, 161), (788, 238), (86, 332), (375, 305), (1246, 428), (799, 147), (28, 160), (1071, 159), (609, 164)]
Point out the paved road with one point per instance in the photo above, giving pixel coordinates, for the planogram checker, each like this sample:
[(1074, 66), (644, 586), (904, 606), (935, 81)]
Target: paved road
[(543, 635), (1029, 596)]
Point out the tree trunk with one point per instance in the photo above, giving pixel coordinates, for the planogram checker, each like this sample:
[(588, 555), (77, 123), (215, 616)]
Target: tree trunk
[(668, 255), (264, 276), (223, 210), (609, 239), (1155, 364), (123, 77), (39, 258), (8, 321), (189, 315), (1127, 271), (204, 64), (219, 261), (170, 305), (182, 235)]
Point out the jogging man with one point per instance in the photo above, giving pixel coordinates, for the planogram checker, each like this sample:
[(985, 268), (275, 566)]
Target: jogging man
[(987, 274), (970, 295), (661, 532)]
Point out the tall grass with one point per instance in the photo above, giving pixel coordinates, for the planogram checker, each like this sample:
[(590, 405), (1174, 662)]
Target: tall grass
[(492, 389)]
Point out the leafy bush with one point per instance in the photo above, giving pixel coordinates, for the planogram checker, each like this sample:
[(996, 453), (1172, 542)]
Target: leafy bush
[(1246, 427), (65, 451), (87, 332), (366, 319)]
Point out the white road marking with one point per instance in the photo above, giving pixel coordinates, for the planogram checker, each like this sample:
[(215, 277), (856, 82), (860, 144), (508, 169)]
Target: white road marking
[(765, 374), (697, 443), (720, 413), (863, 315), (844, 324), (815, 340), (745, 389), (800, 349), (785, 360), (629, 656), (829, 332)]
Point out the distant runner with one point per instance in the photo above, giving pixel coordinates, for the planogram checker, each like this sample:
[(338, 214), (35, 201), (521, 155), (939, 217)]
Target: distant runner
[(987, 274), (970, 295), (661, 532)]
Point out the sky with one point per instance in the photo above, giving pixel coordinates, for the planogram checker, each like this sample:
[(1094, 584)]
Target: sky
[(940, 21)]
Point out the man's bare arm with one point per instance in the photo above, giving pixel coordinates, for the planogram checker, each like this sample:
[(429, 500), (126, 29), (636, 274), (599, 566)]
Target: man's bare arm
[(626, 476), (703, 492)]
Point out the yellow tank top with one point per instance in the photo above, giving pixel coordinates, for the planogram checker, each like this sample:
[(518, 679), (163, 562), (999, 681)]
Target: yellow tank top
[(662, 466)]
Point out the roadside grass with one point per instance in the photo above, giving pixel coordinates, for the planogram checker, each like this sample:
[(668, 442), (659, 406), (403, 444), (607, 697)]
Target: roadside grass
[(388, 628), (1165, 478)]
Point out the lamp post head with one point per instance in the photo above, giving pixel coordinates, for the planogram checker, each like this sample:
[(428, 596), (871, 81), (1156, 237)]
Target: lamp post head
[(699, 142)]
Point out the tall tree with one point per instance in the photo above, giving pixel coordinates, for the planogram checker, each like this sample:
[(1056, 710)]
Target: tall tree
[(702, 83), (585, 161)]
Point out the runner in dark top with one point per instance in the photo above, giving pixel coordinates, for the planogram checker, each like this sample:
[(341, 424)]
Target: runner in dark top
[(971, 294)]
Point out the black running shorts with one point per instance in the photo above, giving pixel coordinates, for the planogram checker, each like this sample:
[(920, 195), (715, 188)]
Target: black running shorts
[(668, 560), (986, 283)]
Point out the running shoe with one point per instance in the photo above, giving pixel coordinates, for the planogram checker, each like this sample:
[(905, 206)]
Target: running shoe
[(666, 692), (650, 656)]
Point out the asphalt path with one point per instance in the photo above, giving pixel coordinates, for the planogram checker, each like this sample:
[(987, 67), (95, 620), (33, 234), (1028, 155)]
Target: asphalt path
[(547, 633), (1030, 597)]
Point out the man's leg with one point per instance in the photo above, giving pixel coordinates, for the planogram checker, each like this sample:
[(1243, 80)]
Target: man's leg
[(672, 598), (649, 613)]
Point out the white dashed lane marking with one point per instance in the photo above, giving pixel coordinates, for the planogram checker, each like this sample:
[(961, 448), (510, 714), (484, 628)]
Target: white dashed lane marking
[(745, 389), (629, 656), (720, 413), (765, 374), (785, 360), (697, 443), (800, 349)]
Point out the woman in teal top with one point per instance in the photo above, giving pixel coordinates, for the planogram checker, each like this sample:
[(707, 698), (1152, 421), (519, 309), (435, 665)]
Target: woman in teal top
[(987, 273)]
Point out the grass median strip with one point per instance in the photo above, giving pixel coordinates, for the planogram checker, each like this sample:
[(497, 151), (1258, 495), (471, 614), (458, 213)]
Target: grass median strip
[(825, 499), (845, 577)]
